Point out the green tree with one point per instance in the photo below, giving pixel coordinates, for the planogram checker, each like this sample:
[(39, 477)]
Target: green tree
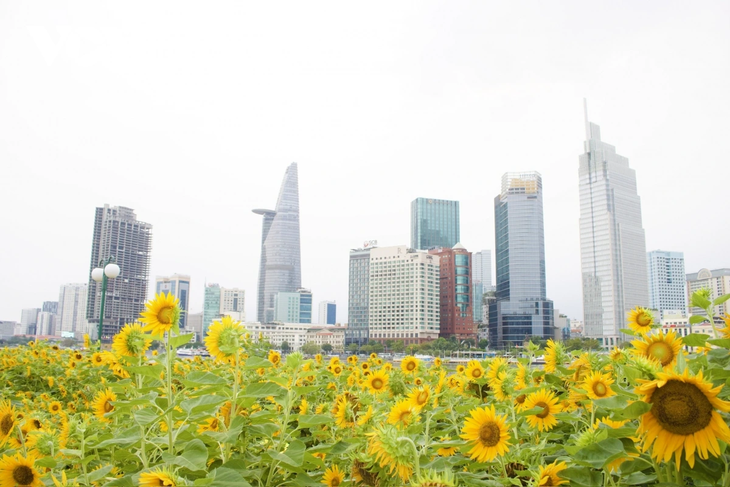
[(285, 347), (398, 346), (310, 348), (377, 347), (483, 343), (328, 348), (352, 348)]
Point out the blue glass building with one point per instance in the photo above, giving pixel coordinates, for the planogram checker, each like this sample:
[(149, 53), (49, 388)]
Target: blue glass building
[(434, 223)]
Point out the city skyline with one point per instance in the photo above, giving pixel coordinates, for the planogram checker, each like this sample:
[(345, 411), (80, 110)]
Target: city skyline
[(428, 101)]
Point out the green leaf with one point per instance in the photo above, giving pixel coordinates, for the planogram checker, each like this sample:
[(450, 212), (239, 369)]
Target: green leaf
[(257, 363), (293, 456), (613, 402), (582, 476), (127, 437), (100, 473), (695, 339), (263, 389), (695, 319), (309, 420), (226, 477), (145, 416), (720, 300), (638, 478), (178, 340), (194, 457), (633, 410), (599, 454), (200, 404), (152, 371), (628, 331), (720, 342), (46, 462), (698, 299), (200, 378)]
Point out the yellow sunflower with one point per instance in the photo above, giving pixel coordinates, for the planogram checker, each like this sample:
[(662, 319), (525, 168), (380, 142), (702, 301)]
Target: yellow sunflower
[(617, 355), (352, 359), (419, 397), (437, 362), (318, 358), (521, 378), (409, 365), (8, 418), (549, 474), (460, 369), (641, 320), (131, 341), (162, 314), (496, 366), (725, 331), (224, 338), (18, 470), (336, 369), (551, 356), (446, 451), (365, 366), (55, 408), (377, 382), (598, 385), (402, 414), (333, 476), (156, 478), (210, 424), (102, 404), (660, 347), (487, 433), (363, 419), (548, 401), (474, 370), (373, 356), (274, 357), (682, 417), (345, 410)]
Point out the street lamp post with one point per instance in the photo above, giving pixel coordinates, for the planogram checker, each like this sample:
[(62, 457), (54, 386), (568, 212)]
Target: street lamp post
[(107, 269)]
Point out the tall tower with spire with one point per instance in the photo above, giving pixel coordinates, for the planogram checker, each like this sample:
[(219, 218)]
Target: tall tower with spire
[(612, 242), (280, 269)]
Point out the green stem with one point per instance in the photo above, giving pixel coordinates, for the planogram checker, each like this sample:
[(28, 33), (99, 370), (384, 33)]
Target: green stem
[(414, 450), (169, 393)]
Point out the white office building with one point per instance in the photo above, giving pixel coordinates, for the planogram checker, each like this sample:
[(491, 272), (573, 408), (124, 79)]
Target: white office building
[(717, 281), (72, 321), (667, 284)]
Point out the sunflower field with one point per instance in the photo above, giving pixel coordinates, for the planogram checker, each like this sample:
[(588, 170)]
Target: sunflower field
[(652, 414)]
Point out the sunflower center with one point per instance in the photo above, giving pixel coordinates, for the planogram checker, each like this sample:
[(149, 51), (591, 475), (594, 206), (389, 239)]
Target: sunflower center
[(600, 389), (489, 434), (377, 383), (681, 408), (404, 415), (476, 373), (410, 366), (520, 399), (23, 475), (6, 424), (422, 398), (545, 410), (335, 482), (108, 407), (165, 315), (661, 351), (643, 319)]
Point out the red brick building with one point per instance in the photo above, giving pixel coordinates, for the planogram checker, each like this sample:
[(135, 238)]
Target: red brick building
[(455, 281)]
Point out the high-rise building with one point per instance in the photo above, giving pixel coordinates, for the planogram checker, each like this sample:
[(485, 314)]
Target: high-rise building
[(434, 223), (293, 307), (404, 295), (50, 307), (220, 301), (481, 281), (717, 281), (455, 303), (118, 234), (280, 266), (46, 325), (195, 325), (211, 306), (327, 313), (521, 309), (233, 303), (612, 243), (667, 282), (28, 320), (179, 286), (358, 303), (72, 311)]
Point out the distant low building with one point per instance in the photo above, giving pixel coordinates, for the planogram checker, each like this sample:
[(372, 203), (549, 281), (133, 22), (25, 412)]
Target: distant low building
[(7, 329), (297, 334)]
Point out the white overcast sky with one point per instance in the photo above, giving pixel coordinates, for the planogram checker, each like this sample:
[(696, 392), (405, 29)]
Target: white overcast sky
[(190, 112)]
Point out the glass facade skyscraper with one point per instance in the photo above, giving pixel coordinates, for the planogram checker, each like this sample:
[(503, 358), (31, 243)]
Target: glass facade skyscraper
[(612, 243), (434, 223), (358, 305), (280, 269), (521, 309), (667, 284)]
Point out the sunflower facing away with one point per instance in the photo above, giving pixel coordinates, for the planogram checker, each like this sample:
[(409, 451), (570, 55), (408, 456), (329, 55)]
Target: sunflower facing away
[(377, 382), (598, 385), (102, 404), (333, 476), (7, 421), (19, 470), (409, 365), (682, 417), (660, 347), (390, 452), (549, 474), (131, 341), (156, 478), (548, 401), (224, 338), (641, 320), (551, 356), (162, 314), (487, 433)]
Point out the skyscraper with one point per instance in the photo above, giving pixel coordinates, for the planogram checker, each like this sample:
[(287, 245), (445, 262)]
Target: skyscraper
[(327, 313), (667, 284), (455, 303), (72, 311), (612, 244), (280, 268), (211, 306), (179, 286), (521, 309), (118, 233), (434, 223), (221, 301), (293, 307), (481, 281), (358, 303)]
